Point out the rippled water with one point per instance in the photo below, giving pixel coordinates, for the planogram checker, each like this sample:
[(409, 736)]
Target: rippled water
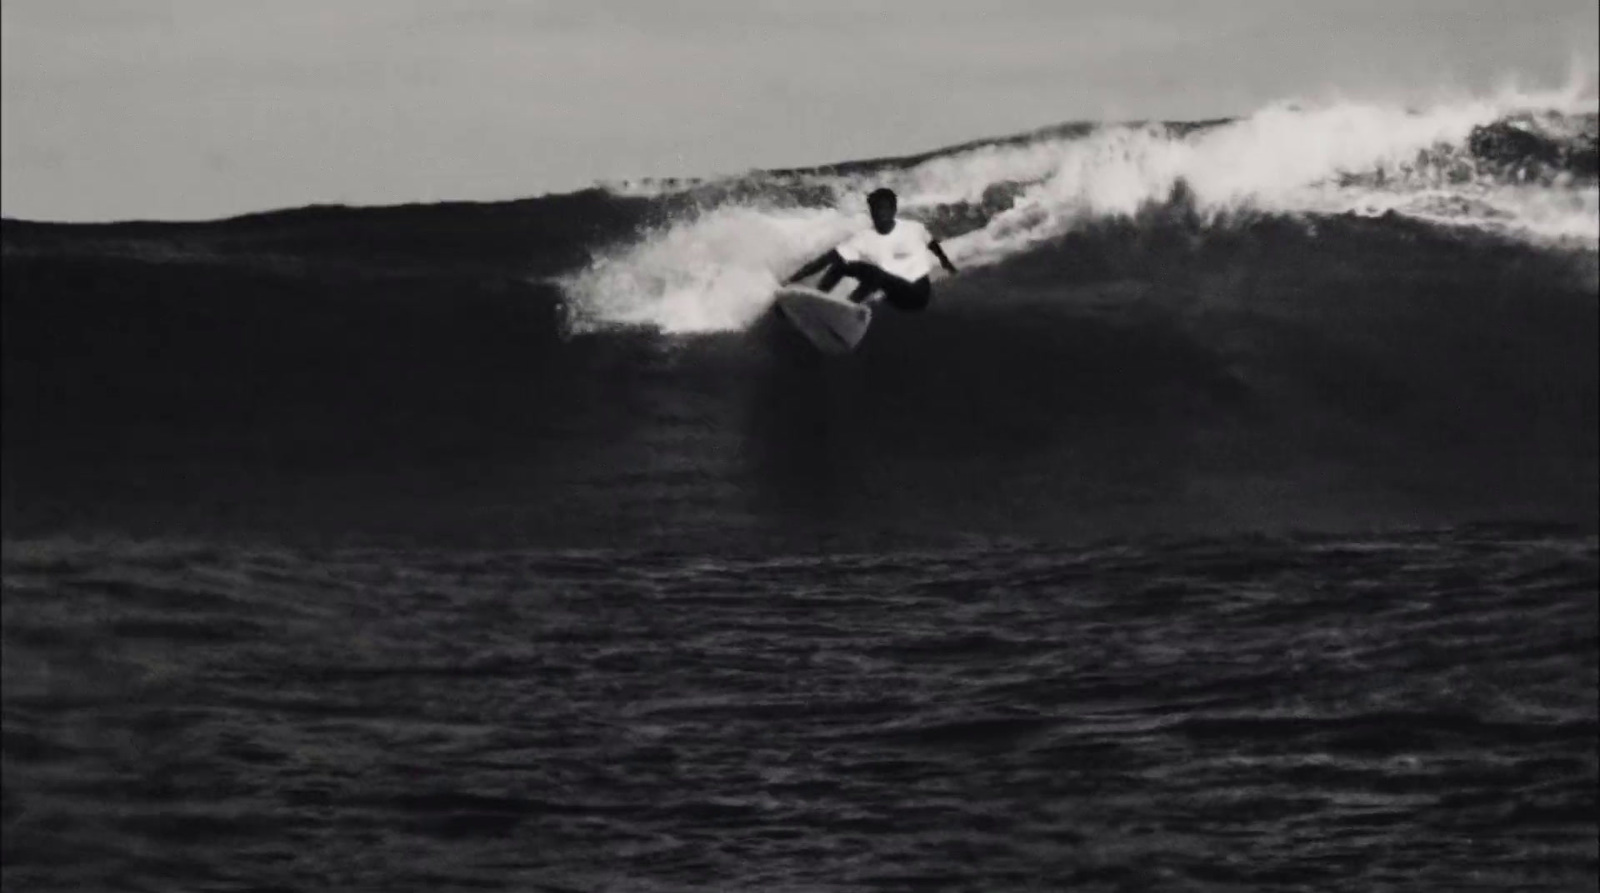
[(1416, 712)]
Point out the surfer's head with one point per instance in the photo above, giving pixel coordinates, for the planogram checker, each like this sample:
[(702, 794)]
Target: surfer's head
[(882, 203)]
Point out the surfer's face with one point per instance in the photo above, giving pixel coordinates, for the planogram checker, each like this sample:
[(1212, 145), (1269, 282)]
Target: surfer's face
[(883, 215)]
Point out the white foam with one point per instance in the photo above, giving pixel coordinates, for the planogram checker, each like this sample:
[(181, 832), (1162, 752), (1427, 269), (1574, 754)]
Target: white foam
[(716, 269), (712, 271)]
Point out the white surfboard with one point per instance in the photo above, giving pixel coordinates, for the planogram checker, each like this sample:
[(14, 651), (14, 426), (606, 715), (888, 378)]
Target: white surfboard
[(833, 324)]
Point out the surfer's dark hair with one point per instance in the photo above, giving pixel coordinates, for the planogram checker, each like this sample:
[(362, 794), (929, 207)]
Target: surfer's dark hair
[(878, 196)]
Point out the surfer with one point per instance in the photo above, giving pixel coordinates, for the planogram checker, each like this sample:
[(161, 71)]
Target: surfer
[(891, 257)]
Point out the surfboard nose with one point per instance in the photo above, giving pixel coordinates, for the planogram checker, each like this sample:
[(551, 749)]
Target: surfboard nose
[(832, 324)]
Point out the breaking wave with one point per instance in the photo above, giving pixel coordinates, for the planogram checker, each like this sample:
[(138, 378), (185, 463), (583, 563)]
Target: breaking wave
[(1521, 165)]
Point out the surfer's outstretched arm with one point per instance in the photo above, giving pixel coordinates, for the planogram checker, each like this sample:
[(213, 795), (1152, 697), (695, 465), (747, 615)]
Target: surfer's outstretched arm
[(827, 259), (939, 253)]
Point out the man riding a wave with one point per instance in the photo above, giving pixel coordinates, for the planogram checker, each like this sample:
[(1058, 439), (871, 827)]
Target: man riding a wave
[(891, 258)]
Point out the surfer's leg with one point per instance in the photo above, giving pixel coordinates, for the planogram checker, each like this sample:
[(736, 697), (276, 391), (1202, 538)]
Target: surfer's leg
[(870, 278), (866, 274), (832, 277), (896, 291), (862, 292)]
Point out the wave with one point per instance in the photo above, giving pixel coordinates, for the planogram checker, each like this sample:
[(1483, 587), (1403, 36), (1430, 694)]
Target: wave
[(1518, 164), (1157, 327)]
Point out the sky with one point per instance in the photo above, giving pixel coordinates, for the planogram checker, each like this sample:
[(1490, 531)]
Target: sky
[(196, 109)]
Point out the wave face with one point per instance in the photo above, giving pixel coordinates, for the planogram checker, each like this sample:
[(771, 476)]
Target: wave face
[(1331, 318)]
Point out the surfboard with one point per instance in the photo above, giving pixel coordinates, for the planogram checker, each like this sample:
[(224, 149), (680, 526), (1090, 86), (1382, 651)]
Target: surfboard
[(833, 324)]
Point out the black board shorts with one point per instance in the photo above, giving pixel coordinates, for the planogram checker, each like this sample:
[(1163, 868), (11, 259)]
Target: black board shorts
[(897, 292)]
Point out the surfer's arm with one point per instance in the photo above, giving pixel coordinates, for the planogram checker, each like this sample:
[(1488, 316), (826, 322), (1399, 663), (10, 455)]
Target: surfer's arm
[(939, 253), (824, 261)]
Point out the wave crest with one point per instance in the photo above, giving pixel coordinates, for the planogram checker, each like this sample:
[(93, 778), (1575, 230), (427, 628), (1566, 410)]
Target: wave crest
[(1522, 165)]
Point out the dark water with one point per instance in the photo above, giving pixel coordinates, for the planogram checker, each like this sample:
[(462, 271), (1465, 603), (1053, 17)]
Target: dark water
[(1413, 712), (1177, 552), (1125, 380)]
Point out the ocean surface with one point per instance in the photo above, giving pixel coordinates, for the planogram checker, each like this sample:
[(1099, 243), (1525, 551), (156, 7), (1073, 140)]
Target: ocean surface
[(1229, 523), (1408, 713)]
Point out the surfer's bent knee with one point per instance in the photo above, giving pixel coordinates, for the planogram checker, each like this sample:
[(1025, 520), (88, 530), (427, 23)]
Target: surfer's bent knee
[(897, 292)]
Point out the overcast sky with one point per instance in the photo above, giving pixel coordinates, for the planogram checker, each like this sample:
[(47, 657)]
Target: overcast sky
[(183, 109)]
